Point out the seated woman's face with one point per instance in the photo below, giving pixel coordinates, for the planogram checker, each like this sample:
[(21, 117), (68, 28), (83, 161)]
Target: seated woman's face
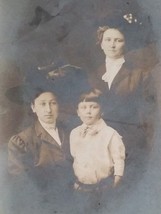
[(46, 107), (113, 43)]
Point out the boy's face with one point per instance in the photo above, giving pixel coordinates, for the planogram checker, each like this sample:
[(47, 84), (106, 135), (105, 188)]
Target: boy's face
[(89, 112), (46, 107)]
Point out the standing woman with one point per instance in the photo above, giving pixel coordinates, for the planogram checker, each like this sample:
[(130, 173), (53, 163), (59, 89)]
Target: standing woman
[(124, 84)]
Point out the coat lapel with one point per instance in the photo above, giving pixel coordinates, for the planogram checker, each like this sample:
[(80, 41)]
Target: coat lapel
[(44, 135), (103, 86), (123, 74), (49, 151)]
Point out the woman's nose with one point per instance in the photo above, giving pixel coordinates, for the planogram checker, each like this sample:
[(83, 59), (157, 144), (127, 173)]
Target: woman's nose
[(48, 108), (112, 44)]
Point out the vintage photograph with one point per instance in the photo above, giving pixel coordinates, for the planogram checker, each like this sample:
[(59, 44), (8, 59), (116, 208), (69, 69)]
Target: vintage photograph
[(80, 107)]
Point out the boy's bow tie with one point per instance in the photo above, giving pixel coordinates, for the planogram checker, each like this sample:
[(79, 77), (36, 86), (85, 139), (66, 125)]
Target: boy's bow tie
[(88, 130)]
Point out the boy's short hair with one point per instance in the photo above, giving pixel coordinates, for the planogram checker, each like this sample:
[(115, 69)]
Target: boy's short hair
[(94, 95)]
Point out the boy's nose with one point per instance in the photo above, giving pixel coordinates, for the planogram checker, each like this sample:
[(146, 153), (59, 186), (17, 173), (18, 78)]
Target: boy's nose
[(88, 110)]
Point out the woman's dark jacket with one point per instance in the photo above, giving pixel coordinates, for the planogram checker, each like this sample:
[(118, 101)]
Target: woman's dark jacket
[(35, 153), (129, 102)]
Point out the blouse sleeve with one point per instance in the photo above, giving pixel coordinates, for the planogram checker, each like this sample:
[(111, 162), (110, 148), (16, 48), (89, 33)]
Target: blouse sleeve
[(117, 150), (16, 155)]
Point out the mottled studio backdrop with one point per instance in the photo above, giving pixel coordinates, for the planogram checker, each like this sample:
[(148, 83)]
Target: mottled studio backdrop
[(66, 34)]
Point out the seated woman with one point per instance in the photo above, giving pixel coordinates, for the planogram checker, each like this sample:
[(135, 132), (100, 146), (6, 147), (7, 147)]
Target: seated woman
[(41, 151)]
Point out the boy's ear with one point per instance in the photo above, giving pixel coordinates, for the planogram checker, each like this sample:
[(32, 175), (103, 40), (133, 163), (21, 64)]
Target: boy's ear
[(33, 107)]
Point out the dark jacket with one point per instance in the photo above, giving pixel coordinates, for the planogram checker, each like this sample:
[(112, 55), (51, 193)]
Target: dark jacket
[(129, 101), (36, 153)]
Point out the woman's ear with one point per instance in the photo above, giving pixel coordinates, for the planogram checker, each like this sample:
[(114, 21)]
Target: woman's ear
[(101, 45), (33, 107), (78, 112)]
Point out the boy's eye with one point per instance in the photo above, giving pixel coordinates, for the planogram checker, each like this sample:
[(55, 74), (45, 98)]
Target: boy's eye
[(53, 103), (95, 106)]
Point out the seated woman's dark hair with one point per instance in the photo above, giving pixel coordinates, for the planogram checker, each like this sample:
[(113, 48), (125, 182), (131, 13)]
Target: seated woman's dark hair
[(38, 91)]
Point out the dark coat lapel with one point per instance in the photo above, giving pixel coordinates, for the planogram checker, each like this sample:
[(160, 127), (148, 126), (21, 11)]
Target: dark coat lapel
[(121, 75), (45, 137), (121, 80)]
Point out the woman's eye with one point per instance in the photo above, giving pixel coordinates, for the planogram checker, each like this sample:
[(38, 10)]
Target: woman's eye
[(120, 40), (83, 107), (107, 39), (42, 104)]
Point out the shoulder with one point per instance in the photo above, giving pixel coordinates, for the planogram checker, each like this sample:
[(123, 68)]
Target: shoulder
[(75, 131), (110, 131), (22, 138), (133, 74), (27, 133)]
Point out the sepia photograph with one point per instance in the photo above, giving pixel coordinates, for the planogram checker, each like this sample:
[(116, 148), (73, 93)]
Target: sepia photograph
[(80, 106)]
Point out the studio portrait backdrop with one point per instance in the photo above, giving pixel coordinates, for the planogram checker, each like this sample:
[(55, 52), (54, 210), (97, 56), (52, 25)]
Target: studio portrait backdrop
[(53, 53)]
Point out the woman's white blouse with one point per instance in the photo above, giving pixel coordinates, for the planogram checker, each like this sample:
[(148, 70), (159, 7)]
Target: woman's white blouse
[(112, 68)]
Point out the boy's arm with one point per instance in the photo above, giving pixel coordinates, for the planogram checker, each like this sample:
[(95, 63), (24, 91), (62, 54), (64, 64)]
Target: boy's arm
[(117, 180), (71, 142), (117, 151)]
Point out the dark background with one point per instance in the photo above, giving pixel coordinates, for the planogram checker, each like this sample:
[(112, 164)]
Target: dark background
[(70, 37)]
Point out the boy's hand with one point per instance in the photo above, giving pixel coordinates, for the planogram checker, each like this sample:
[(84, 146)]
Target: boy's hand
[(117, 180)]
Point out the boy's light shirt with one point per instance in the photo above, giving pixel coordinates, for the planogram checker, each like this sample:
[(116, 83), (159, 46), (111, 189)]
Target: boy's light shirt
[(112, 69), (90, 129), (52, 130), (97, 154)]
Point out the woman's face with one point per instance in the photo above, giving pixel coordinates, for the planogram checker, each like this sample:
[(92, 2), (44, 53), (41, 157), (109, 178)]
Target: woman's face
[(113, 43), (46, 107)]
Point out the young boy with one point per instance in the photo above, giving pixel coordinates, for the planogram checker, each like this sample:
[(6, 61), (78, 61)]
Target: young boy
[(97, 149)]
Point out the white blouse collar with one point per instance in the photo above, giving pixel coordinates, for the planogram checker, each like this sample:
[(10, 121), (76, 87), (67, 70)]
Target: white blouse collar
[(113, 66)]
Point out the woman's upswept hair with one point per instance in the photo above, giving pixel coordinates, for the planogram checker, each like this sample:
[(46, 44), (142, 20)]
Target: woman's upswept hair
[(100, 32), (102, 29), (117, 23)]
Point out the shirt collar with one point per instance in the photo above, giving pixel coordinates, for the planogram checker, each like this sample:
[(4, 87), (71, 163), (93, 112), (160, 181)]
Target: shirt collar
[(118, 61), (48, 126), (94, 126)]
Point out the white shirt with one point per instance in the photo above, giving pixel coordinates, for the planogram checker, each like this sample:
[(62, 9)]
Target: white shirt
[(52, 130), (112, 68), (98, 153)]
